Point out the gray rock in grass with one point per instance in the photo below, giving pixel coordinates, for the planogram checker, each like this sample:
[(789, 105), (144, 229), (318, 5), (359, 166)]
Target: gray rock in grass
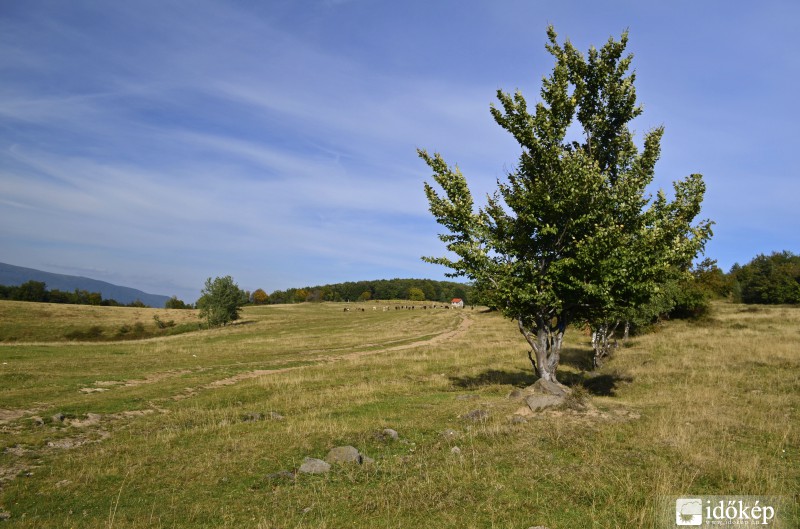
[(314, 466), (343, 454)]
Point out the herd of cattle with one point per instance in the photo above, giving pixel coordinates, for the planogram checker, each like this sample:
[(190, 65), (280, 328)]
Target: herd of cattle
[(399, 307)]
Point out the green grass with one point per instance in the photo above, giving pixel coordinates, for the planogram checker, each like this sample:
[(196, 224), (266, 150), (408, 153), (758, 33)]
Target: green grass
[(707, 408)]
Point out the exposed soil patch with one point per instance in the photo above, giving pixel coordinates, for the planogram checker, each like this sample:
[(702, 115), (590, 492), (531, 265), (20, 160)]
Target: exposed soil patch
[(7, 416), (79, 440)]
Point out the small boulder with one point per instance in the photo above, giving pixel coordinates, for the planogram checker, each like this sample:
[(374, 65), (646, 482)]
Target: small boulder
[(541, 402), (388, 433), (58, 417), (543, 394), (343, 454), (547, 387), (37, 421), (455, 450), (476, 415), (314, 466), (275, 416)]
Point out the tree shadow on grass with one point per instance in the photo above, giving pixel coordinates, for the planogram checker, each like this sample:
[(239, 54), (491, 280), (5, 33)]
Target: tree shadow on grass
[(519, 378), (605, 384), (576, 357), (600, 384)]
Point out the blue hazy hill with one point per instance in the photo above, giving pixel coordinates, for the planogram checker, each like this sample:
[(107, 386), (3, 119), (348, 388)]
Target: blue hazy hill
[(11, 275)]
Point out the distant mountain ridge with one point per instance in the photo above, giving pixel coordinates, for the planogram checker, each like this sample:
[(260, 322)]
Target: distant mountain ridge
[(11, 275)]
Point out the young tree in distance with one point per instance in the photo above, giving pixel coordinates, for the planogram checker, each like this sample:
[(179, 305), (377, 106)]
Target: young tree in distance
[(416, 294), (260, 297), (572, 235), (220, 301), (175, 303)]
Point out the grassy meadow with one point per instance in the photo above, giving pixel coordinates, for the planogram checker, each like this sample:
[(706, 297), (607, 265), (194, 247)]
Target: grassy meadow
[(192, 429)]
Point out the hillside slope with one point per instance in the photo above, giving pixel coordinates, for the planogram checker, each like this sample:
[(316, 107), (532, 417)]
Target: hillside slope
[(11, 275)]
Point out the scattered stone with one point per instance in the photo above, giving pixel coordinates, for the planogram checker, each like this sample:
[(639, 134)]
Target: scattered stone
[(93, 390), (387, 435), (451, 434), (343, 454), (5, 515), (550, 388), (282, 475), (391, 434), (476, 415), (455, 450), (90, 420), (314, 466), (541, 402), (58, 417), (518, 419), (467, 397), (542, 394), (275, 416), (37, 421)]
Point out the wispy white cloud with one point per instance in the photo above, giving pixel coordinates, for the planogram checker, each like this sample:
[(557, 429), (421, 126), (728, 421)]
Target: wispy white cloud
[(267, 141)]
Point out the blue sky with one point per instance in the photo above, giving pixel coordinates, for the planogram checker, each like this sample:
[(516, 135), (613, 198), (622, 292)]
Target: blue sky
[(154, 144)]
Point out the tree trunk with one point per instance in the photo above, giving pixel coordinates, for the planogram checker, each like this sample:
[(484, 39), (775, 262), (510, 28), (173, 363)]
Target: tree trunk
[(601, 343), (545, 353)]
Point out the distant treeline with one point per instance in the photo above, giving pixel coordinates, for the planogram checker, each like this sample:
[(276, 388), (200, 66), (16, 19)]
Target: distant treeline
[(380, 289), (37, 291), (767, 279)]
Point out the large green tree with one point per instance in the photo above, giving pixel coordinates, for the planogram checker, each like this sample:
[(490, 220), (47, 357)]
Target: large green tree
[(220, 301), (571, 235)]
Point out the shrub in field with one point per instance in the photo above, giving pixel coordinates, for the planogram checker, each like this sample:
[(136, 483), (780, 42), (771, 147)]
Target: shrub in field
[(161, 324), (220, 301)]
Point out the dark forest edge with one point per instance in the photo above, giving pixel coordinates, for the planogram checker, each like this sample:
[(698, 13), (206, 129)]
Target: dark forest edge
[(378, 289)]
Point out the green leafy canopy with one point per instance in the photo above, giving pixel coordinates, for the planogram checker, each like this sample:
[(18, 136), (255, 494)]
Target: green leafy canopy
[(571, 233)]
